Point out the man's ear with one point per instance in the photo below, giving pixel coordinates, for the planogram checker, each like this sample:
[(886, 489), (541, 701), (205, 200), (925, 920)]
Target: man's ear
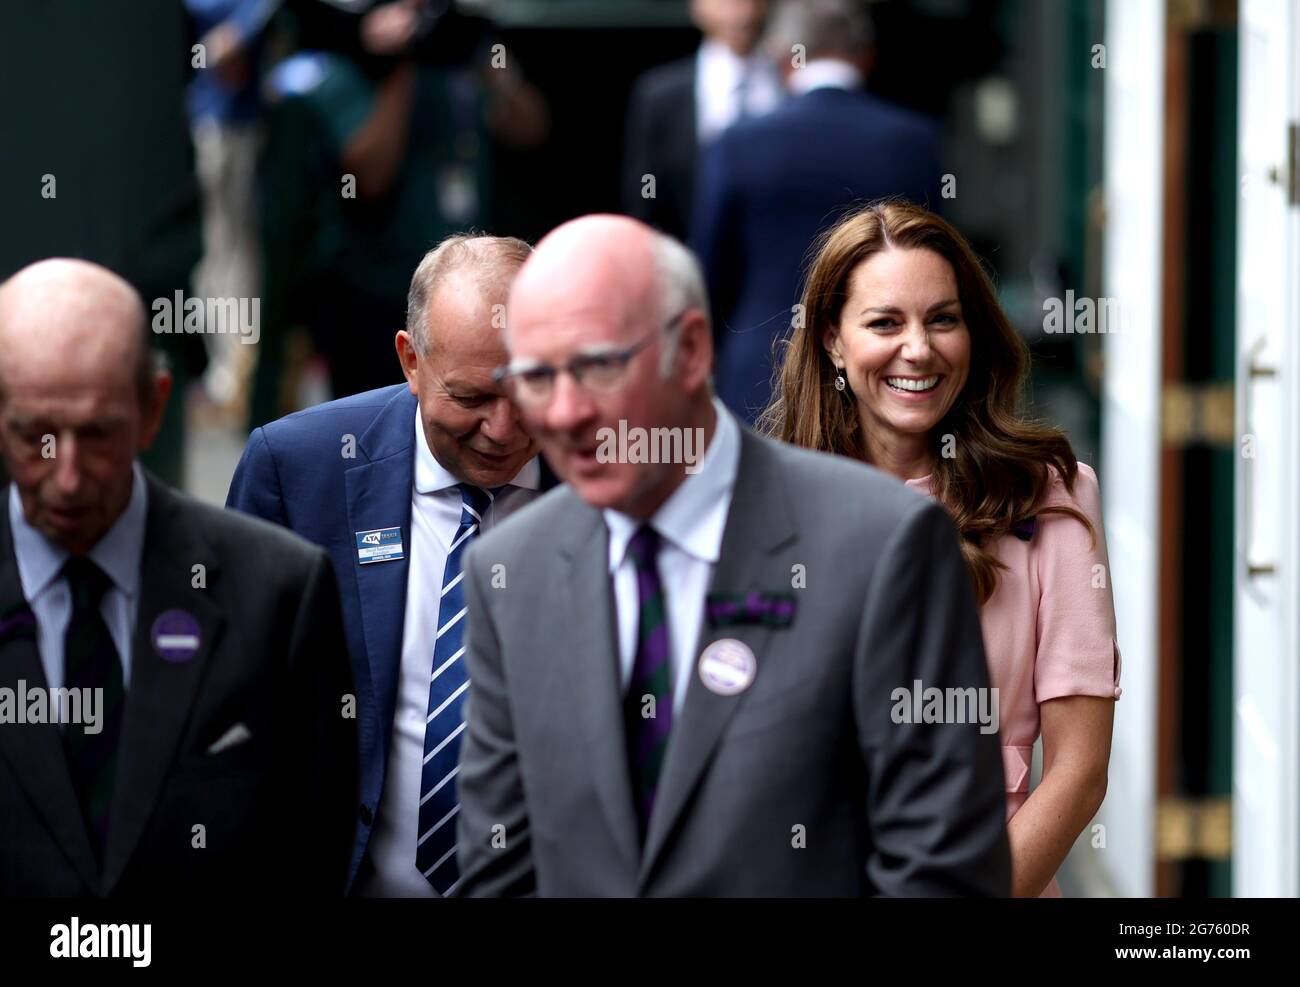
[(410, 359), (694, 350), (157, 407)]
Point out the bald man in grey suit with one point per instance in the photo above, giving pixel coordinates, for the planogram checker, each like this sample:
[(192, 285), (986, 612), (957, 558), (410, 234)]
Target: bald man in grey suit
[(685, 674)]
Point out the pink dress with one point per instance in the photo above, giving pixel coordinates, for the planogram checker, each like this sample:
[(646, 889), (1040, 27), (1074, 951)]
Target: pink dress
[(1049, 627)]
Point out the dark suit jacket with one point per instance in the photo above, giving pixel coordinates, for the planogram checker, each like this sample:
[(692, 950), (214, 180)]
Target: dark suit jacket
[(809, 752), (766, 188), (278, 808), (660, 140), (296, 472)]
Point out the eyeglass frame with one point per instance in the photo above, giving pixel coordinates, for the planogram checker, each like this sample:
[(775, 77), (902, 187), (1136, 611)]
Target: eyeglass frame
[(503, 375)]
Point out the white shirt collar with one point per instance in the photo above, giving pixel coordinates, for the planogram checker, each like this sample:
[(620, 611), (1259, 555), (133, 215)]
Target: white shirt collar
[(825, 73), (117, 553), (718, 73), (719, 61), (431, 476), (694, 516)]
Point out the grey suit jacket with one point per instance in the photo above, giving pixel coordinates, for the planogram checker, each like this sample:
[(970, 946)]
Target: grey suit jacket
[(801, 785)]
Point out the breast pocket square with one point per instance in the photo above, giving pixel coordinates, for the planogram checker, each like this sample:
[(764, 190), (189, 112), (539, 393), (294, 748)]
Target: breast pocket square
[(772, 609), (233, 737)]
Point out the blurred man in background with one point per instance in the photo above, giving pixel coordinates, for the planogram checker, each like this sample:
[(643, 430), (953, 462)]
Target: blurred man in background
[(221, 756), (679, 108), (396, 482), (768, 186)]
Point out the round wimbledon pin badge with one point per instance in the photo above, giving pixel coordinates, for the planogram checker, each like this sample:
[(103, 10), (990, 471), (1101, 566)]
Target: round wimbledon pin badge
[(728, 667), (175, 635)]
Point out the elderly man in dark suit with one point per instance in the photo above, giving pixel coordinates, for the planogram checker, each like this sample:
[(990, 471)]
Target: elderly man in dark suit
[(186, 729), (769, 186), (686, 662)]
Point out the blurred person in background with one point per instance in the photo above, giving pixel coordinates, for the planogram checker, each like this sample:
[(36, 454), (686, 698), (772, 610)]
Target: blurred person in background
[(382, 127), (678, 108), (768, 186), (225, 109), (906, 361)]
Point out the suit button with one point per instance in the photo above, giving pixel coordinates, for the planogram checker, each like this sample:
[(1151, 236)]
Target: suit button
[(367, 817)]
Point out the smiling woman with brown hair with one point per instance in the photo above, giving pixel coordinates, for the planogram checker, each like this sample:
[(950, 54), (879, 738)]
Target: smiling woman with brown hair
[(905, 360)]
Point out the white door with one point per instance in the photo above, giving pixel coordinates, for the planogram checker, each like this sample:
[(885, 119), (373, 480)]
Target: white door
[(1266, 659), (1130, 457)]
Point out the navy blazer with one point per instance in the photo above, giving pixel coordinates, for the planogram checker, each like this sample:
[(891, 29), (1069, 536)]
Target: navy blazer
[(327, 473), (767, 187)]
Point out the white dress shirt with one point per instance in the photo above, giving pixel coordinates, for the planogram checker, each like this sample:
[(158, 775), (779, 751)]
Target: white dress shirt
[(435, 519), (40, 565), (690, 524), (720, 77), (825, 73)]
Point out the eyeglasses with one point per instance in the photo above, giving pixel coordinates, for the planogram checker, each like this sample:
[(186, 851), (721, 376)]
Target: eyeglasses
[(532, 384)]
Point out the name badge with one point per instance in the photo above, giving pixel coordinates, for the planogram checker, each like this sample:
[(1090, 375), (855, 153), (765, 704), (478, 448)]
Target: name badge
[(379, 545)]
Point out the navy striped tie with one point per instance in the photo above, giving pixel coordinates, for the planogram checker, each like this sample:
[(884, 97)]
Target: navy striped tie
[(90, 661), (435, 850)]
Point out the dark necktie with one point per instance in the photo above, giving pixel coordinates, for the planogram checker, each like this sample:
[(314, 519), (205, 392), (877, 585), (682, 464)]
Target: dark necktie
[(648, 706), (90, 661)]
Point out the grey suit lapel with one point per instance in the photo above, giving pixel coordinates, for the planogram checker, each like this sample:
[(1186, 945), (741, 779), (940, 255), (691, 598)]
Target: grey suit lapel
[(35, 752), (161, 692), (759, 522), (591, 660)]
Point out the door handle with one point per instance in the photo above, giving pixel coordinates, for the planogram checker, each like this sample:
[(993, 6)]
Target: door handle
[(1254, 371)]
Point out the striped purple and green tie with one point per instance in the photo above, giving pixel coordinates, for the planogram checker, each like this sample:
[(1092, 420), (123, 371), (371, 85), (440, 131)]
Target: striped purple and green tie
[(90, 661), (648, 706)]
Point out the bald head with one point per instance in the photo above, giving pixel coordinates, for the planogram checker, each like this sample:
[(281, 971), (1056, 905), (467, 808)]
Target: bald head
[(607, 328), (601, 263), (464, 264), (64, 316), (79, 397)]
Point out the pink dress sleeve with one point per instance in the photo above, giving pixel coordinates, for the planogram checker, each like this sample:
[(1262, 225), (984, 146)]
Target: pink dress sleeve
[(1077, 651)]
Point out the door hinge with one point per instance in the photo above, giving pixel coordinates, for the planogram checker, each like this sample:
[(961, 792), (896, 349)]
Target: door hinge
[(1288, 175), (1198, 414), (1189, 829), (1293, 171)]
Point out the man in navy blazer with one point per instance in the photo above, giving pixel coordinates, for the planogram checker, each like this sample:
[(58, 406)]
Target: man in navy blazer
[(395, 483), (768, 186)]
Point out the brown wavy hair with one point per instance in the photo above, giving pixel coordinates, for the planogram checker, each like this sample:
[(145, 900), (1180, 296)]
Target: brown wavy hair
[(1000, 473)]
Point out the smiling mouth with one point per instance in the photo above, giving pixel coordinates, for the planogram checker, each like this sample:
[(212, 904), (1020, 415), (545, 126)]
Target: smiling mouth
[(492, 457), (914, 385)]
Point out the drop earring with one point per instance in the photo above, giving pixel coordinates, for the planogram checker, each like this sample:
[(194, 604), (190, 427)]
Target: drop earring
[(839, 382)]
